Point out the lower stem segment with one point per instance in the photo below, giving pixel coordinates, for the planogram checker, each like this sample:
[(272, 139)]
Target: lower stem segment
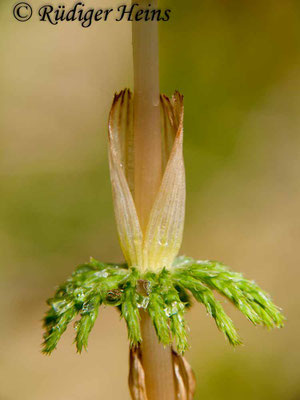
[(157, 363)]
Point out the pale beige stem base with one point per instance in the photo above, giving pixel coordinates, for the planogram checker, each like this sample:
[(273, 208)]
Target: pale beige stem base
[(157, 363)]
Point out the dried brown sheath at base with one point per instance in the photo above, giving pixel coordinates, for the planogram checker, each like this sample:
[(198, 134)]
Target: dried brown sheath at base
[(185, 383), (136, 379)]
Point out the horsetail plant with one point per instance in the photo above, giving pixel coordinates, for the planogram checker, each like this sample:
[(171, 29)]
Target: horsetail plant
[(154, 288)]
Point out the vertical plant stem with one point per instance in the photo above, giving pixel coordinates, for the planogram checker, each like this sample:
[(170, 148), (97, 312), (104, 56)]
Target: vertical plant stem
[(157, 363), (157, 360), (147, 132)]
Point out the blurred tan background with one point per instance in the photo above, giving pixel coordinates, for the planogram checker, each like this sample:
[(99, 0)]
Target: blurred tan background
[(238, 64)]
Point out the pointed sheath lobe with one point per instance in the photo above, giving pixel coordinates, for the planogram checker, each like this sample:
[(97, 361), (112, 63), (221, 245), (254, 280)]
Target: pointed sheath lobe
[(159, 245), (120, 150)]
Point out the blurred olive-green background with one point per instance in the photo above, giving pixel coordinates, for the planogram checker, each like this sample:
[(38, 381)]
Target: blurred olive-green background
[(238, 64)]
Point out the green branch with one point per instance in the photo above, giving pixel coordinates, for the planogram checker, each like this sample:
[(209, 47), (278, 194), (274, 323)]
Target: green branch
[(248, 297), (164, 295)]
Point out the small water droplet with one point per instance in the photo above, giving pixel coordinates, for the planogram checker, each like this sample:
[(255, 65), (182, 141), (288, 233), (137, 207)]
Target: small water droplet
[(101, 274), (60, 306), (167, 311), (114, 296), (143, 302), (79, 294), (163, 242)]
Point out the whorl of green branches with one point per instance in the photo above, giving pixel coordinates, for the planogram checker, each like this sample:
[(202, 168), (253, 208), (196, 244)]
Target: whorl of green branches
[(165, 296)]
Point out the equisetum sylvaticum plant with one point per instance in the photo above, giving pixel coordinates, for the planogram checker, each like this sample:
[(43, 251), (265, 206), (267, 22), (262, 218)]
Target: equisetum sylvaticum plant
[(154, 287)]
